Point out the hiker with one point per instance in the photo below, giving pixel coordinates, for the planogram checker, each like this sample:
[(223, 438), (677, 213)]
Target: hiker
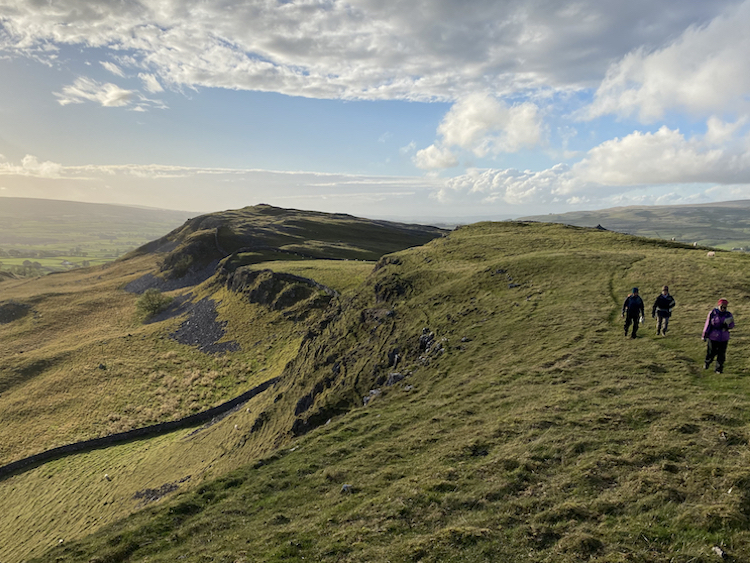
[(716, 332), (662, 310), (632, 310)]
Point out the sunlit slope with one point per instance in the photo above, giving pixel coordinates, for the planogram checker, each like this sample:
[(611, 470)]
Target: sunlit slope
[(58, 234), (527, 428), (77, 363)]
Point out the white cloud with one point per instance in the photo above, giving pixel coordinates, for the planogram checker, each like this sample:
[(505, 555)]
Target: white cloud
[(411, 147), (86, 89), (369, 49), (30, 166), (705, 71), (482, 125), (509, 186), (666, 157), (719, 132), (629, 168), (485, 125), (113, 68), (150, 83), (434, 157)]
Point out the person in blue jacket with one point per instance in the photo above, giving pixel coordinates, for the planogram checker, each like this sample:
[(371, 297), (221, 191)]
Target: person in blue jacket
[(716, 332), (633, 311), (662, 310)]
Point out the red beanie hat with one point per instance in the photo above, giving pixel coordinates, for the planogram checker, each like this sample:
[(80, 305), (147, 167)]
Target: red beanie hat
[(724, 301)]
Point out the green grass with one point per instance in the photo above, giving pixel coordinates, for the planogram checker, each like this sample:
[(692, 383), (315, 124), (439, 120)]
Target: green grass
[(538, 433)]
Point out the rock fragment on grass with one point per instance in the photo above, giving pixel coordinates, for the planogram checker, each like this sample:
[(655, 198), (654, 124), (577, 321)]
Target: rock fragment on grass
[(373, 393)]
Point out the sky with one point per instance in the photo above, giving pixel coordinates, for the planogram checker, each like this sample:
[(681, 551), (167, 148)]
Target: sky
[(421, 110)]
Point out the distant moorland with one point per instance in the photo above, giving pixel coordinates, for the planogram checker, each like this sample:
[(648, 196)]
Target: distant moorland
[(42, 236), (722, 225)]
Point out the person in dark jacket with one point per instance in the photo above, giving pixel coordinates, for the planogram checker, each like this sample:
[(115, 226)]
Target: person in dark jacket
[(662, 310), (716, 332), (633, 311)]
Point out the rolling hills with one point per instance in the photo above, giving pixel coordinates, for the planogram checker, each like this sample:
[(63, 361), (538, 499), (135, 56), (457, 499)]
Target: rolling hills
[(61, 235), (722, 224), (469, 398)]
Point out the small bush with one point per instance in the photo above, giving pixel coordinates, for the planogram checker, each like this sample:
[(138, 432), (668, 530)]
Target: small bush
[(152, 302)]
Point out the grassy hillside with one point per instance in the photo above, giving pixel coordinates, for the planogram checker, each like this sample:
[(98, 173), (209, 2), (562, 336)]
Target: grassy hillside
[(61, 235), (525, 428), (80, 364), (723, 225)]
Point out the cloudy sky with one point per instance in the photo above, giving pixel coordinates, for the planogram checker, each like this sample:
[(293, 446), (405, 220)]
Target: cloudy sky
[(379, 108)]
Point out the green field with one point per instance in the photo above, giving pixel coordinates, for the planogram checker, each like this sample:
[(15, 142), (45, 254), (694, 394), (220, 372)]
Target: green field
[(42, 236)]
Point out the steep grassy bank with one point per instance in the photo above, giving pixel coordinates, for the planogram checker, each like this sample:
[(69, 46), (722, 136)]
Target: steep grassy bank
[(526, 428), (80, 364)]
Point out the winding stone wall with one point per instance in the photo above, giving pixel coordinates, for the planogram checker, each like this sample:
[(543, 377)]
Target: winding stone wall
[(135, 434)]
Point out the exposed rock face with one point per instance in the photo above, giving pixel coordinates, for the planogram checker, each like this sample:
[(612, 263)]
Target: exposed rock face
[(278, 291), (12, 311)]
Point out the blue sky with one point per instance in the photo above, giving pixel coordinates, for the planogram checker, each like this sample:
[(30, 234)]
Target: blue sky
[(380, 108)]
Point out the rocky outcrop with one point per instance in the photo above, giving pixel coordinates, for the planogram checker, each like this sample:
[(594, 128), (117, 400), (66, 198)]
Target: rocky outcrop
[(279, 291)]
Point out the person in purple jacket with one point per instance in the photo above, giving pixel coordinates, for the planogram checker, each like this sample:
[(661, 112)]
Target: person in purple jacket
[(716, 332)]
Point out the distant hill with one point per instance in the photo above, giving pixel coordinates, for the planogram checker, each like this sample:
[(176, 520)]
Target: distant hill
[(60, 235), (31, 221), (262, 233), (723, 225)]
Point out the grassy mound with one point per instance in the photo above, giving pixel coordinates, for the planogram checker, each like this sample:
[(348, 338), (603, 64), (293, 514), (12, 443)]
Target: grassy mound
[(472, 399)]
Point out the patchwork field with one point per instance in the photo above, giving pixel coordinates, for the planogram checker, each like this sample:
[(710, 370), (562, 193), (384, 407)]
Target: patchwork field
[(42, 236)]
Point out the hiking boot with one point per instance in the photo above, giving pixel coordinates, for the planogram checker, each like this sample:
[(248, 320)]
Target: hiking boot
[(658, 332), (706, 365)]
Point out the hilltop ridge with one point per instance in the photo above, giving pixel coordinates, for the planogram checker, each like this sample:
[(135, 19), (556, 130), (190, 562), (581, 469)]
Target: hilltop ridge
[(263, 232)]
